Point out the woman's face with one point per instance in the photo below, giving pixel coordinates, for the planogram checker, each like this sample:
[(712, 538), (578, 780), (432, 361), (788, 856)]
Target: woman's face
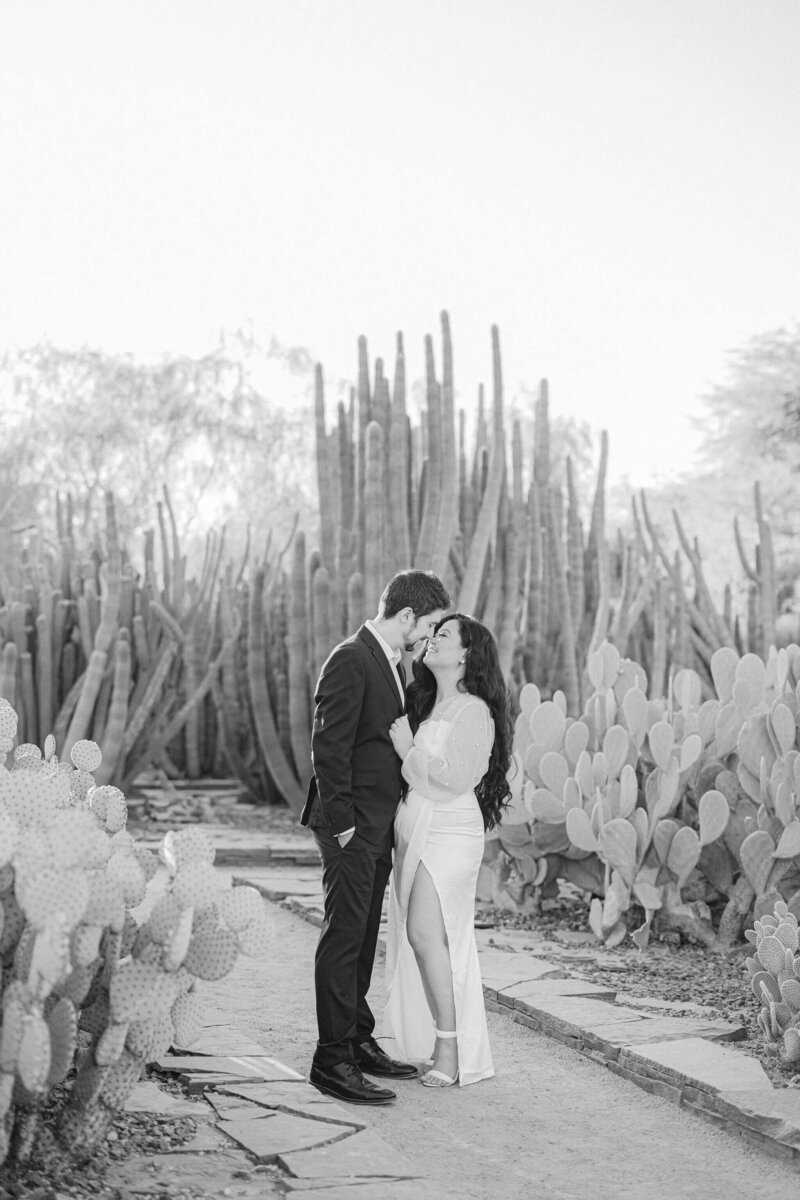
[(445, 650)]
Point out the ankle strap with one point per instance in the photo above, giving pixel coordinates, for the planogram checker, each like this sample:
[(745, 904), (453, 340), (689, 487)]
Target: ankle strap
[(445, 1033)]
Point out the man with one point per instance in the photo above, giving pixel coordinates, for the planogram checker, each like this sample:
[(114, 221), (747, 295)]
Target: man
[(352, 800)]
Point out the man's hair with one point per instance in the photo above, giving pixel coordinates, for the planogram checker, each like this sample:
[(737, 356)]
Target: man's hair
[(421, 591)]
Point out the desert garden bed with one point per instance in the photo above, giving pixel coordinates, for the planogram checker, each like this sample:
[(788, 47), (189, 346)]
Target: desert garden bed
[(671, 969)]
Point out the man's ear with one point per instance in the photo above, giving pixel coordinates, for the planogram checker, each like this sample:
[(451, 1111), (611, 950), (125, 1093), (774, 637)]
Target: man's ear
[(407, 615)]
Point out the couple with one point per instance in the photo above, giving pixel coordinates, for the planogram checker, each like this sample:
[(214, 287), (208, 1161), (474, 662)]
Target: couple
[(426, 784)]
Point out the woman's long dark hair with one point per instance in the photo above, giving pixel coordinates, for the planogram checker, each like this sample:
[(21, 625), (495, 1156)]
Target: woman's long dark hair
[(484, 679)]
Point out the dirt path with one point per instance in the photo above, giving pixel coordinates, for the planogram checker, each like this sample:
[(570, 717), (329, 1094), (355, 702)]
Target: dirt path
[(551, 1125)]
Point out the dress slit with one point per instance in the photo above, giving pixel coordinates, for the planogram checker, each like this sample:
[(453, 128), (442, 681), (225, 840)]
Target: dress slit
[(448, 842)]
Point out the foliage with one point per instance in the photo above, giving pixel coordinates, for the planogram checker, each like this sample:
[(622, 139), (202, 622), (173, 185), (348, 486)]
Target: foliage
[(753, 417), (84, 421)]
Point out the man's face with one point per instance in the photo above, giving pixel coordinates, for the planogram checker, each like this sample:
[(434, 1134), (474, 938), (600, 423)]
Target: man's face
[(422, 628)]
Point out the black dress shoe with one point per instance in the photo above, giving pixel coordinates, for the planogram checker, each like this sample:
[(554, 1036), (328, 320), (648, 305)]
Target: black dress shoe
[(370, 1057), (345, 1082)]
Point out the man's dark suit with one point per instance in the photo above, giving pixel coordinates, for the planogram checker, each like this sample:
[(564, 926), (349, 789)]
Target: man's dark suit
[(357, 783)]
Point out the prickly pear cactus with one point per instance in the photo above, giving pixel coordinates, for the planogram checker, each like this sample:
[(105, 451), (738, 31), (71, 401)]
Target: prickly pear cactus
[(775, 978), (82, 982)]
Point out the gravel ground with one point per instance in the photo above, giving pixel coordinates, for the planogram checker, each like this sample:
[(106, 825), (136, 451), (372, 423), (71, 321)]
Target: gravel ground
[(131, 1133)]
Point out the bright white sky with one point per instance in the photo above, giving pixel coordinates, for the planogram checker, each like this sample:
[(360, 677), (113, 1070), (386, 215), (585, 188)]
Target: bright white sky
[(615, 183)]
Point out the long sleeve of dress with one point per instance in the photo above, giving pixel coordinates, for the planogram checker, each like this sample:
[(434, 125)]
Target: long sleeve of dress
[(453, 755)]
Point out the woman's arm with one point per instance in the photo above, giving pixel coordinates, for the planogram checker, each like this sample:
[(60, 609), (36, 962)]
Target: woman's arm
[(462, 761)]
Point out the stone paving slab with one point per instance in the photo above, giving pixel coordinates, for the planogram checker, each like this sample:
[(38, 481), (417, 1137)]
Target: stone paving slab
[(221, 1040), (774, 1114), (233, 1066), (700, 1064), (612, 1038), (523, 995), (308, 907), (379, 1189), (216, 1174), (321, 1189), (279, 882), (231, 1108), (148, 1097), (671, 1006), (583, 1012), (276, 1134), (362, 1156), (300, 1098)]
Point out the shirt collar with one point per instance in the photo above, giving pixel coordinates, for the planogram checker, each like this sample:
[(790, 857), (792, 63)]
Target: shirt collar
[(393, 656)]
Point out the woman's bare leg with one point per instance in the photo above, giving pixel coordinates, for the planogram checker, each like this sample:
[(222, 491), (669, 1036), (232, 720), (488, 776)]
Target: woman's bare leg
[(428, 939)]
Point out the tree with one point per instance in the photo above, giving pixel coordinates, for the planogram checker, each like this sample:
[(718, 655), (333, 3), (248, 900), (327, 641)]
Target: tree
[(83, 421), (750, 430), (754, 417)]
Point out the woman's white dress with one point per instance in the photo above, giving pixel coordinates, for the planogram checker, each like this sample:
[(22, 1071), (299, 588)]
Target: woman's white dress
[(440, 825)]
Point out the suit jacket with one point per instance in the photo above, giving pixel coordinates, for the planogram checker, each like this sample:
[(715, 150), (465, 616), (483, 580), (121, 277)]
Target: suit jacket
[(356, 779)]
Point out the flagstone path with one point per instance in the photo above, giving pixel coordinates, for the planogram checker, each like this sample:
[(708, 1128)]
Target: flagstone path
[(605, 1106)]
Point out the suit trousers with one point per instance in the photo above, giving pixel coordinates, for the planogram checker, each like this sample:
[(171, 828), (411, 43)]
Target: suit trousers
[(354, 880)]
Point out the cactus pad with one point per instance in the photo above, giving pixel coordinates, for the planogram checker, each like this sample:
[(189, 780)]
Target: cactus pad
[(62, 1022), (786, 933), (791, 1046), (714, 814), (771, 954), (33, 1060), (9, 836), (178, 944), (51, 893), (86, 755), (240, 906), (197, 885), (147, 861), (548, 725), (790, 993), (139, 990), (81, 783), (105, 905), (187, 846), (212, 952), (150, 1038), (765, 987), (125, 871), (11, 1031), (254, 941), (756, 857), (111, 1043), (85, 944), (108, 803), (187, 1017)]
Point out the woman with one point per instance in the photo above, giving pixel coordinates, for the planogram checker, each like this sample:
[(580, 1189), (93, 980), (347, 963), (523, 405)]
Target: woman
[(456, 750)]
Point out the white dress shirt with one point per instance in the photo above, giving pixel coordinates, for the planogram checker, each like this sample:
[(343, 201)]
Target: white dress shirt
[(393, 656)]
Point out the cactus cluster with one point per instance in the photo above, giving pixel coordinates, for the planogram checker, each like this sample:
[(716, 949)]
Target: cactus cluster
[(670, 803), (84, 985), (775, 978)]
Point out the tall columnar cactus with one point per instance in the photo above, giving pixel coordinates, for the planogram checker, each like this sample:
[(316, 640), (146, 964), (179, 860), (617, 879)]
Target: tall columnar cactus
[(487, 517)]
